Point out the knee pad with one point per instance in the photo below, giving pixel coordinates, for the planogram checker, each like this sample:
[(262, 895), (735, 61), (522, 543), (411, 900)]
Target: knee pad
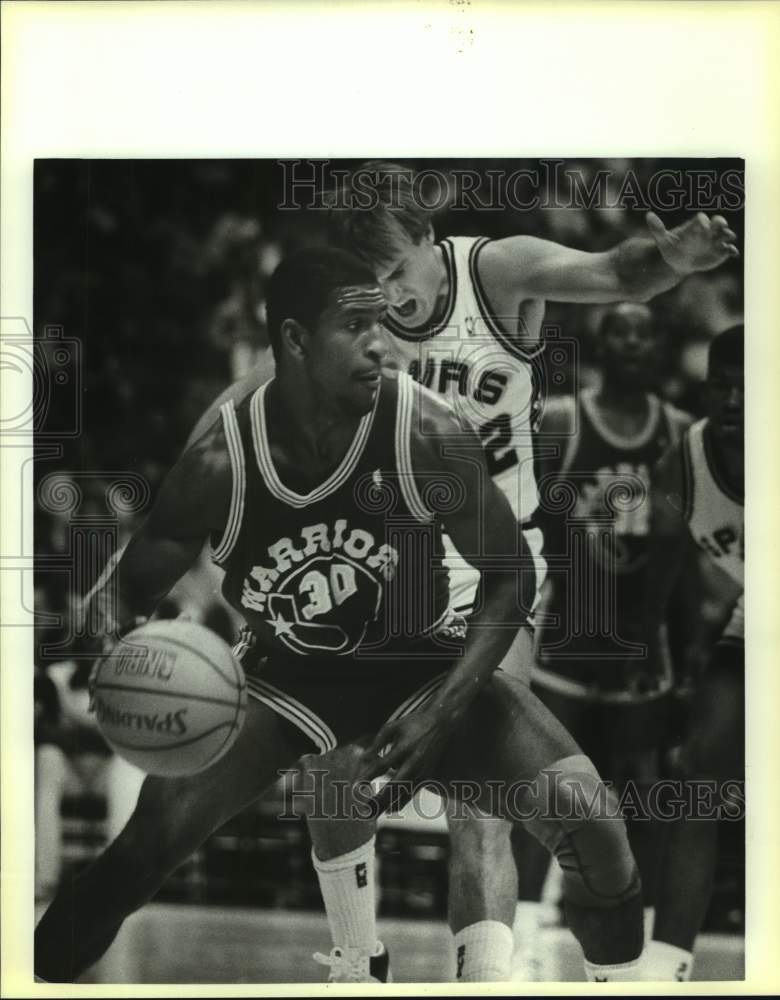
[(577, 818)]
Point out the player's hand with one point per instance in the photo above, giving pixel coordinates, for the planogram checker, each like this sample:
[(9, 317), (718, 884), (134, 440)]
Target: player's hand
[(697, 245), (415, 744), (99, 647)]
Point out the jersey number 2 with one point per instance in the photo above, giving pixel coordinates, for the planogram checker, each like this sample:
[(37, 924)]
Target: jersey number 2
[(496, 436)]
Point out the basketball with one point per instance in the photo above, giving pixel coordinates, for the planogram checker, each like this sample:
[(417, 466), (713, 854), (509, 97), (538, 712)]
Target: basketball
[(170, 697)]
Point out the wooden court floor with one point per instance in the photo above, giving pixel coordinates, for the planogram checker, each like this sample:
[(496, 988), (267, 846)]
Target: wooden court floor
[(166, 943)]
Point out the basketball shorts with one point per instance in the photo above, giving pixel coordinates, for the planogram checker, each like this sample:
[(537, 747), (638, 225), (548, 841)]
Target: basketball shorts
[(337, 700), (464, 579)]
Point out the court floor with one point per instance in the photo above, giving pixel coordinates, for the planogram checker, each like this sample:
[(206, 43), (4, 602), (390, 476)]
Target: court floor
[(166, 943)]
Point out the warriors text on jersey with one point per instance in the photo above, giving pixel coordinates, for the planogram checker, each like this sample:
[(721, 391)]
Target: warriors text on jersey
[(597, 551), (355, 563)]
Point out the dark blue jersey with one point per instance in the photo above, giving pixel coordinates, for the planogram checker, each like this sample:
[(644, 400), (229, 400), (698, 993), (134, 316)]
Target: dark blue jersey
[(352, 567)]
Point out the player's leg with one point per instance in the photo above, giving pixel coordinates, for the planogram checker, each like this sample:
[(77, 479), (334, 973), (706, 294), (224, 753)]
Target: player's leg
[(482, 872), (713, 751), (530, 962), (343, 857), (51, 777), (172, 818), (538, 773)]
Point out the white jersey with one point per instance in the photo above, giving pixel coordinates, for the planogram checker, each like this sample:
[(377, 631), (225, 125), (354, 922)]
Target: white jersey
[(714, 513), (488, 377), (715, 516)]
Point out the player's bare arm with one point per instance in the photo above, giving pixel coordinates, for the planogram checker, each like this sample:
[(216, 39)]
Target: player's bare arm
[(418, 739), (192, 502), (254, 378), (637, 269), (671, 553), (556, 428)]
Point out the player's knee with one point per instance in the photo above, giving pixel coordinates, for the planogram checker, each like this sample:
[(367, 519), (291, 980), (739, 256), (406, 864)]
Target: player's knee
[(577, 818)]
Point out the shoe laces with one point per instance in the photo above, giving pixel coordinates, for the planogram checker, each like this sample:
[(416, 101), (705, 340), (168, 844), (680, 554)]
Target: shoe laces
[(347, 965)]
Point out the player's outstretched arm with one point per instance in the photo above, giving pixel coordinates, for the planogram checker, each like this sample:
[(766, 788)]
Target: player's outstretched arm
[(526, 267), (483, 522), (192, 502)]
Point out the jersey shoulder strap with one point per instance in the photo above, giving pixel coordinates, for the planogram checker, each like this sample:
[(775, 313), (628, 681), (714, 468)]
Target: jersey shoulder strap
[(406, 426), (468, 252), (225, 545)]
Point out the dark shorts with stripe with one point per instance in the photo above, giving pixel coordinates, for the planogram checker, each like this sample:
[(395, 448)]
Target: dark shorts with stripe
[(337, 699)]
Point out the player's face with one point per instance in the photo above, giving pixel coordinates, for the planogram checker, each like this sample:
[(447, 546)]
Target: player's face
[(346, 354), (413, 279), (725, 397), (630, 348)]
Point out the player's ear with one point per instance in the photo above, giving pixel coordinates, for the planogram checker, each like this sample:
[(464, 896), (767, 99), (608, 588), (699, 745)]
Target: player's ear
[(295, 339), (429, 236)]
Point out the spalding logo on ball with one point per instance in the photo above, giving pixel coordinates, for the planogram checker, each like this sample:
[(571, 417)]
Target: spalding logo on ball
[(170, 697)]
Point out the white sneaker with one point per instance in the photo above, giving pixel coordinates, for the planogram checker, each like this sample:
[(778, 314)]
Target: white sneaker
[(352, 965)]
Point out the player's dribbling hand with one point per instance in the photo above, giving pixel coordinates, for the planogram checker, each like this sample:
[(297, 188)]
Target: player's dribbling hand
[(697, 245), (99, 647), (416, 742)]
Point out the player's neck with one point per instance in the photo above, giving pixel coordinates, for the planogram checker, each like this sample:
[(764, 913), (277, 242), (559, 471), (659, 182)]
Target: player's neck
[(614, 396), (730, 461), (305, 427)]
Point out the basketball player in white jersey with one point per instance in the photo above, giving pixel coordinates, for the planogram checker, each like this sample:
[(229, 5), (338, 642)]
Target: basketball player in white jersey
[(465, 318), (698, 504)]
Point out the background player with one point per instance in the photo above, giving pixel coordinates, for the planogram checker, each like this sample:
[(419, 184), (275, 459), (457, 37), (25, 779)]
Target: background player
[(597, 449), (273, 484), (466, 317), (698, 503)]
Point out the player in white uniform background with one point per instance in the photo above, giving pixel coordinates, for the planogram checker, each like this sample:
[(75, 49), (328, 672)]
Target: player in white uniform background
[(698, 504), (466, 320)]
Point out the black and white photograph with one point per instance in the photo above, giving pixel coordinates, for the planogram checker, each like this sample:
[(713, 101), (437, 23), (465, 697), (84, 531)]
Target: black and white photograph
[(386, 592), (522, 582)]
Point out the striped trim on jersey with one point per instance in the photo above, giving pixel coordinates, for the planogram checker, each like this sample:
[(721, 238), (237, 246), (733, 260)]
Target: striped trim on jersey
[(505, 339), (309, 723), (407, 390), (643, 435), (220, 552), (428, 329), (687, 477), (268, 470)]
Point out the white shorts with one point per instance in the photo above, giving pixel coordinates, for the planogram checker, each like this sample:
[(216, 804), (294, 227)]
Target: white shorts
[(464, 579)]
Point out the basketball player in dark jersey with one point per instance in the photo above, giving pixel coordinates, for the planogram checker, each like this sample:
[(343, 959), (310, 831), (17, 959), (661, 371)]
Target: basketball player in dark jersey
[(318, 493), (465, 317), (598, 449), (698, 507)]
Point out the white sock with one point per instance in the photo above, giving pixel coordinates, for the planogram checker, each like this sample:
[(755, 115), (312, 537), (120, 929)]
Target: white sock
[(626, 972), (483, 952), (347, 887), (666, 963), (526, 931)]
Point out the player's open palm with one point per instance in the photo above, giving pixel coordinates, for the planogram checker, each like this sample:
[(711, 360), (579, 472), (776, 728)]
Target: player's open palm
[(697, 245)]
